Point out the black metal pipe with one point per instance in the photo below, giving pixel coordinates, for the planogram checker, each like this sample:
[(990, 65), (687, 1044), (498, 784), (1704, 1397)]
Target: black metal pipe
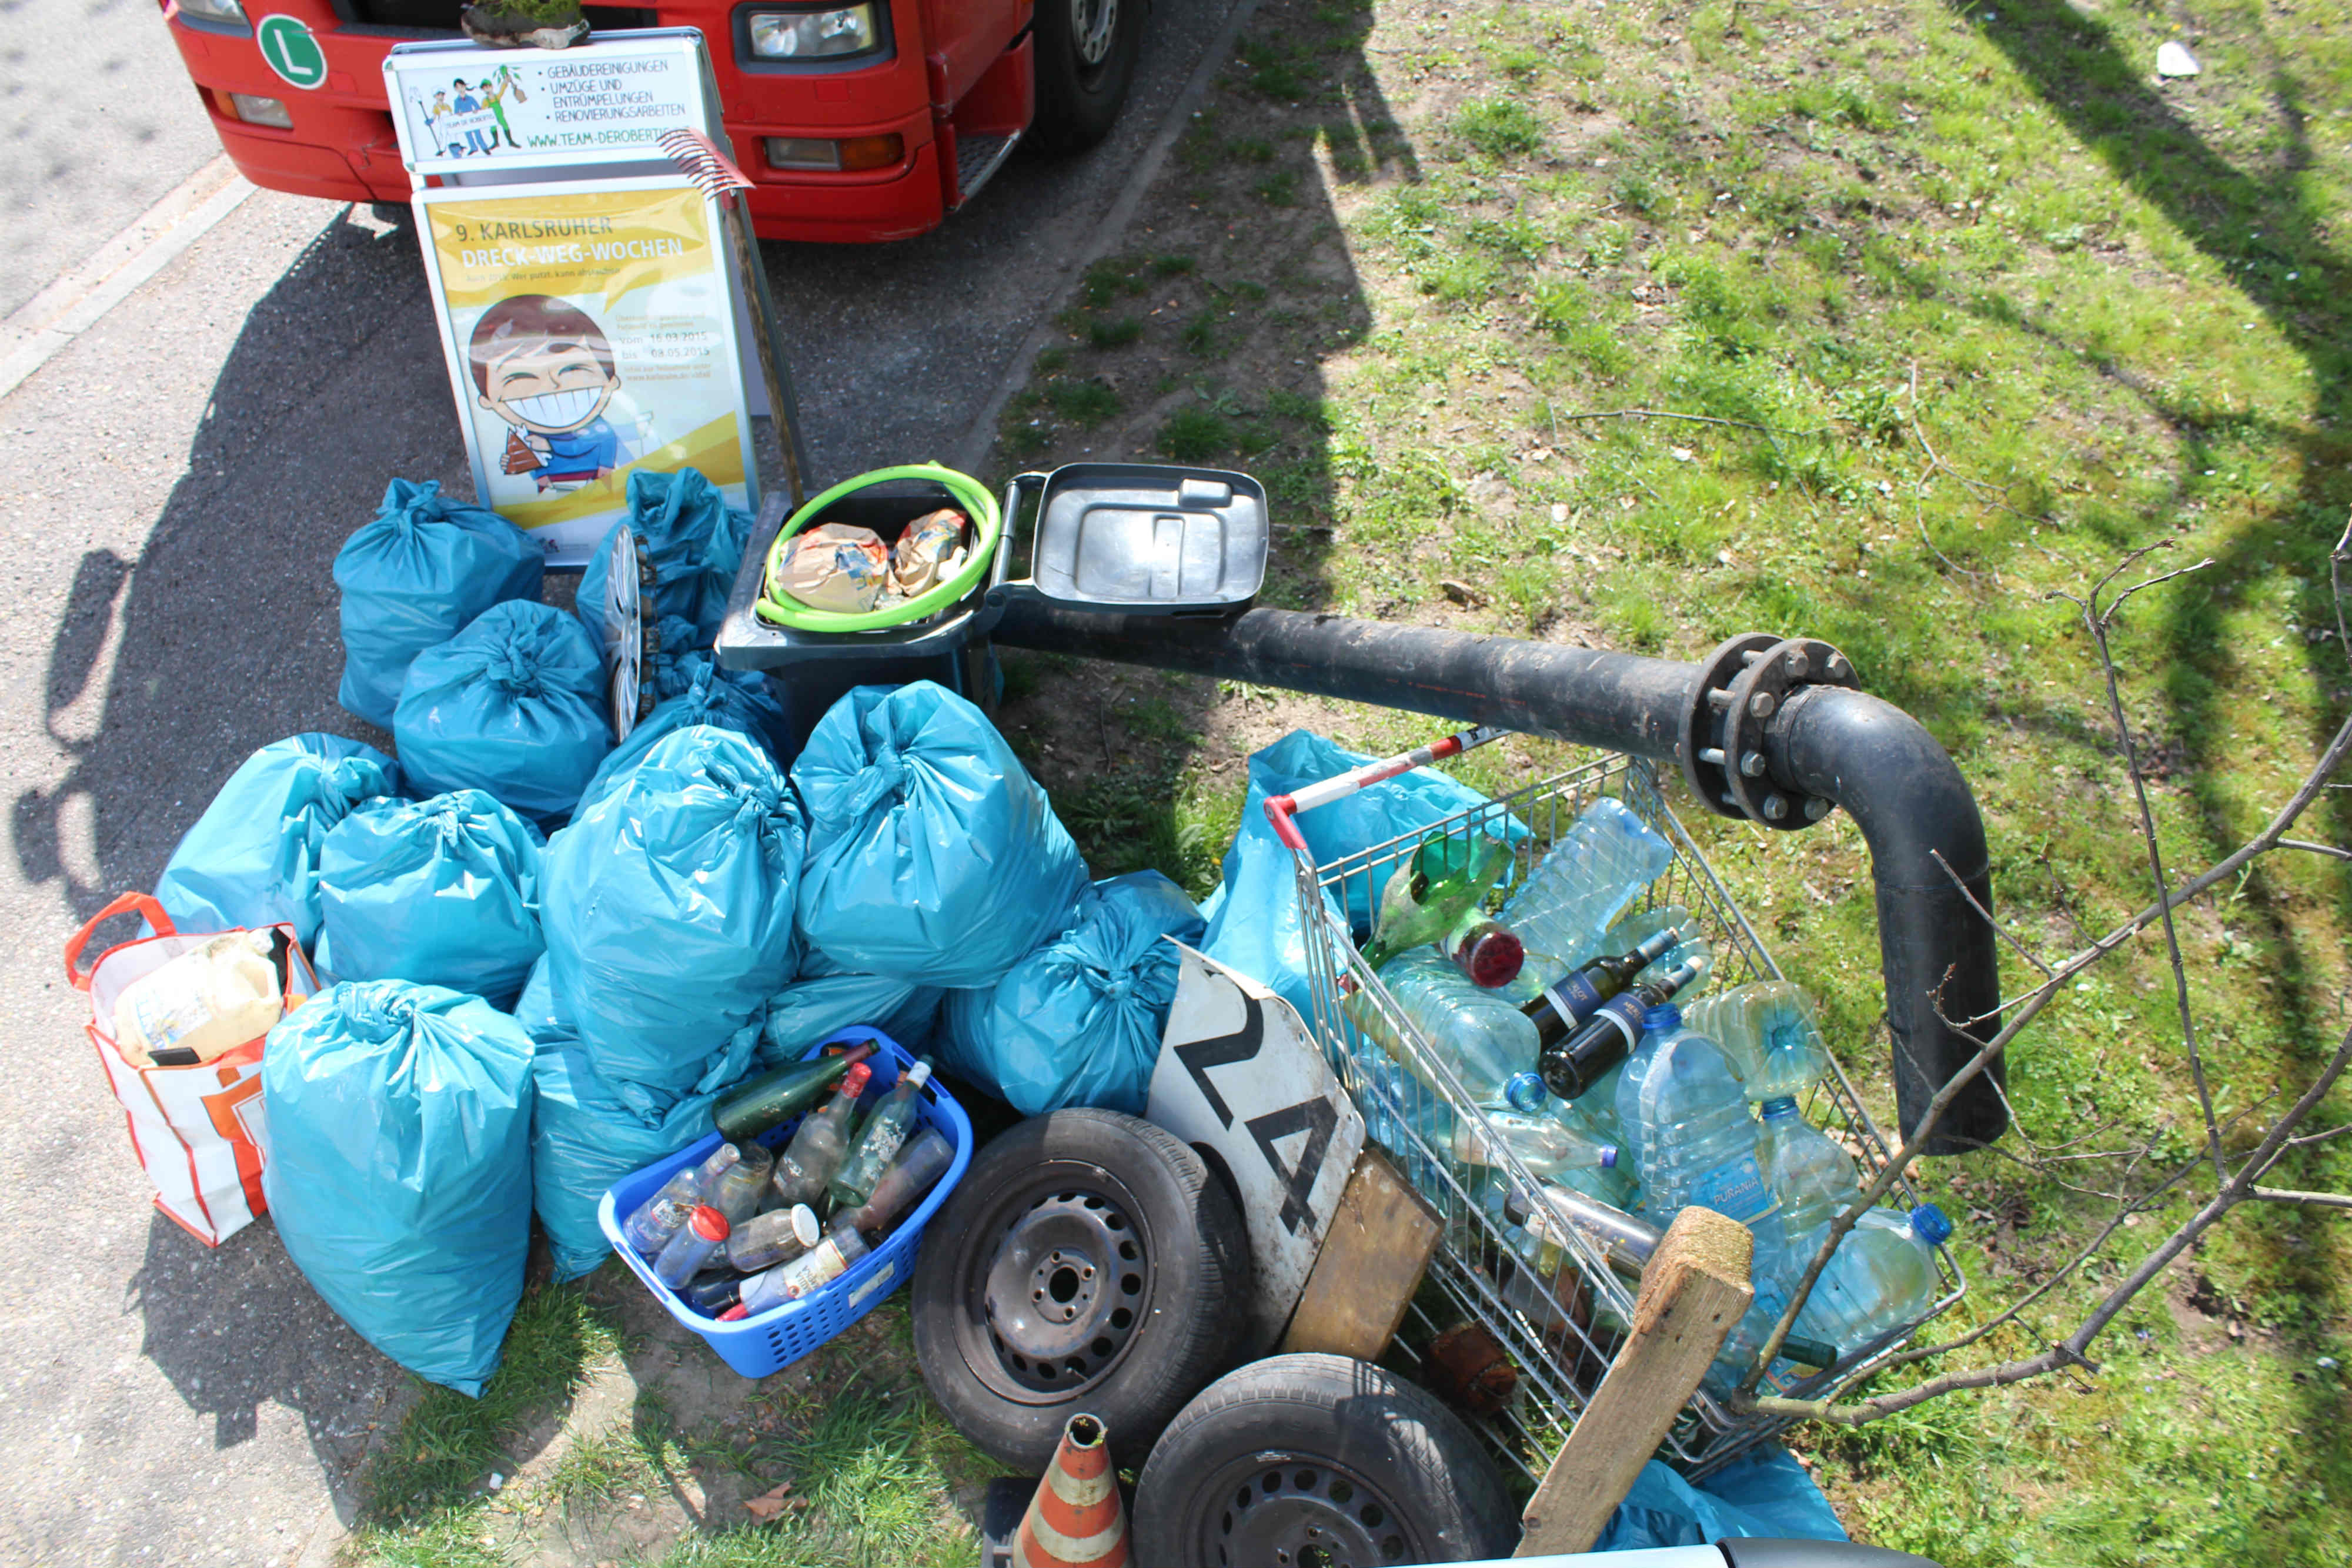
[(1866, 755)]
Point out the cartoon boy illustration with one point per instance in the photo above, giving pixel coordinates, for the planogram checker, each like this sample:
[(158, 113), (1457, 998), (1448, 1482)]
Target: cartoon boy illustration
[(496, 90), (546, 368), (466, 103)]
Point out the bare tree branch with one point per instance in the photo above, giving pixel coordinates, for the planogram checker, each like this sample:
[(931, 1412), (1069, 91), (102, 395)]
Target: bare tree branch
[(2021, 950), (2315, 848), (2307, 1199)]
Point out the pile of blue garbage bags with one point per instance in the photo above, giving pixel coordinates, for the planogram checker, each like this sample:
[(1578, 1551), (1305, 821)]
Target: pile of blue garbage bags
[(547, 952)]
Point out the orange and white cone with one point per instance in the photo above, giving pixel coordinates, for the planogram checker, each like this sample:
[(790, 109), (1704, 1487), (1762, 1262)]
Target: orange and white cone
[(1076, 1519)]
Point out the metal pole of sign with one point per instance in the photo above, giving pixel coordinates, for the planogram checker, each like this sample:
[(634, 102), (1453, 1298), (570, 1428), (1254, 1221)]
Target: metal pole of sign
[(700, 161)]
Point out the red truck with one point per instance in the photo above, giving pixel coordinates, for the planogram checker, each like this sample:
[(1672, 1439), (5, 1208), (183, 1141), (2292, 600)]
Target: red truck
[(867, 120)]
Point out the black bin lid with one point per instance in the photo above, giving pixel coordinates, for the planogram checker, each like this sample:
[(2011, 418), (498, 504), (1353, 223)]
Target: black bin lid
[(1145, 537)]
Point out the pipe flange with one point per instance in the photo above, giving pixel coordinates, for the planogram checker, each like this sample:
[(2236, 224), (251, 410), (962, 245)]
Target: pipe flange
[(1742, 684), (1703, 759)]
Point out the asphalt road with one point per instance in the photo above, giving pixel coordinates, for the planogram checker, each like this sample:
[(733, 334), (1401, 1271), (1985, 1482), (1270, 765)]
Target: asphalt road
[(99, 119), (181, 478)]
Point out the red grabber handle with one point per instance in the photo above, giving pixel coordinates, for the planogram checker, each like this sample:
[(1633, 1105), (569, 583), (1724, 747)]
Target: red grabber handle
[(1282, 810)]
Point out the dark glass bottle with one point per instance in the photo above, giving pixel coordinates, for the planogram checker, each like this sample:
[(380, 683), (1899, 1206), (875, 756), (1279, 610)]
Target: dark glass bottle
[(1573, 1064), (777, 1096), (1561, 1007)]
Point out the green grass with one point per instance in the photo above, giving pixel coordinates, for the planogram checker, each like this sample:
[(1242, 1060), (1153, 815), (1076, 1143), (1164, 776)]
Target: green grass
[(2006, 309)]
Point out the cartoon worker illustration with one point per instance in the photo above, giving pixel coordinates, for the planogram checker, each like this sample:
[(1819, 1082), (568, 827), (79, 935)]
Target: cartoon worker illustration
[(496, 90), (466, 103), (546, 368), (433, 113)]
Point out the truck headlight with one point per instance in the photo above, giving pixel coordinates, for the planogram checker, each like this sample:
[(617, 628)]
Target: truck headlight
[(806, 35), (227, 11)]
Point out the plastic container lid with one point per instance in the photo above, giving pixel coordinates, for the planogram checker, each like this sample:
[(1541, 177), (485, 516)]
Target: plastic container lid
[(1495, 958), (919, 1074), (708, 1223), (1663, 1016), (1525, 1092), (1929, 1223), (852, 1083), (805, 1229), (1609, 1157)]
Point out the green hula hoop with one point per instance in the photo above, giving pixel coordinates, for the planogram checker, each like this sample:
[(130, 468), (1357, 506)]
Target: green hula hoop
[(970, 493)]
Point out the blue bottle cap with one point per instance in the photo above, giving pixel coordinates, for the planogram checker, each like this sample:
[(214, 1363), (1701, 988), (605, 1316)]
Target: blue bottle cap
[(1929, 1223), (1608, 1158), (1660, 1018), (1525, 1092), (1779, 1105)]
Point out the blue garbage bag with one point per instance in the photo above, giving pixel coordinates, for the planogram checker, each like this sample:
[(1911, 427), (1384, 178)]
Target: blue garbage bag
[(514, 705), (1254, 920), (586, 1135), (701, 693), (669, 907), (825, 998), (252, 858), (934, 858), (692, 540), (1762, 1492), (399, 1169), (1078, 1021), (416, 576), (442, 892)]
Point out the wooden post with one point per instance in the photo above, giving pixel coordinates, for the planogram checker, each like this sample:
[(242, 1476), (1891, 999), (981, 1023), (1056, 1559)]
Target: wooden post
[(1372, 1259), (1694, 1291)]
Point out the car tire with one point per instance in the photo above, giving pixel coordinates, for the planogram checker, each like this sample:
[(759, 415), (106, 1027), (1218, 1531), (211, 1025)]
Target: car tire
[(1085, 1263), (1308, 1459), (1085, 52)]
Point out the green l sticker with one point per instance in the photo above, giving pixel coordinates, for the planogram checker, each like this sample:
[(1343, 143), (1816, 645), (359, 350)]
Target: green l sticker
[(290, 50)]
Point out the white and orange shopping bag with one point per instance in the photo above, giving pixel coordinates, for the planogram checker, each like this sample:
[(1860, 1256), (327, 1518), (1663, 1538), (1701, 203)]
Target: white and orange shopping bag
[(197, 1129)]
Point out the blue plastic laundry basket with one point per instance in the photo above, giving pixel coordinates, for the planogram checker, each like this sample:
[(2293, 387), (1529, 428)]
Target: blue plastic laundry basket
[(756, 1346)]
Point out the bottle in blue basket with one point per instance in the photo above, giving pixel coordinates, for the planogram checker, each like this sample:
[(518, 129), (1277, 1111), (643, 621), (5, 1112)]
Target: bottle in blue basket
[(736, 1191), (820, 1145), (828, 1260), (1768, 1030), (1685, 1116), (879, 1140), (1813, 1179), (704, 1232), (1598, 867), (1881, 1278), (767, 1240), (919, 1167), (1488, 1044), (664, 1213), (1572, 1066)]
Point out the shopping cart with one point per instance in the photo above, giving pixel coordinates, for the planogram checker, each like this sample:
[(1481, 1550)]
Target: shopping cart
[(1553, 1326)]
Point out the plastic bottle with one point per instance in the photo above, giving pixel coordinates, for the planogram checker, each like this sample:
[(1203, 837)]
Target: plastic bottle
[(1488, 1044), (776, 1237), (820, 1266), (1686, 1126), (920, 1164), (1444, 879), (737, 1191), (1769, 1031), (1812, 1179), (1572, 1067), (775, 1097), (1598, 867), (1881, 1276), (816, 1150), (660, 1217), (1544, 1145), (210, 999), (878, 1143), (704, 1232)]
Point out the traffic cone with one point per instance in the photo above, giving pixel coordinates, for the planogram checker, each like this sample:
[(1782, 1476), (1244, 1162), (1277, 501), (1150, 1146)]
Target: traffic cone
[(1076, 1519)]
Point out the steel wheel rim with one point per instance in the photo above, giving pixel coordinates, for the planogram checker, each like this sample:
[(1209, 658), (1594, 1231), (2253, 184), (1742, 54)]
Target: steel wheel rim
[(1052, 1309), (1093, 22), (1285, 1510)]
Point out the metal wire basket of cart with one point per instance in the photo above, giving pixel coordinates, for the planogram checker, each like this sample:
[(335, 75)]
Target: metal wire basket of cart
[(1559, 1328)]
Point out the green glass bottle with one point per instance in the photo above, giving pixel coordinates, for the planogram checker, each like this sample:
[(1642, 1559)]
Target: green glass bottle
[(775, 1097), (1443, 879)]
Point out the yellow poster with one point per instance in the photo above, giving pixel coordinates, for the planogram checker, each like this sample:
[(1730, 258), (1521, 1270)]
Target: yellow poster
[(590, 334)]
